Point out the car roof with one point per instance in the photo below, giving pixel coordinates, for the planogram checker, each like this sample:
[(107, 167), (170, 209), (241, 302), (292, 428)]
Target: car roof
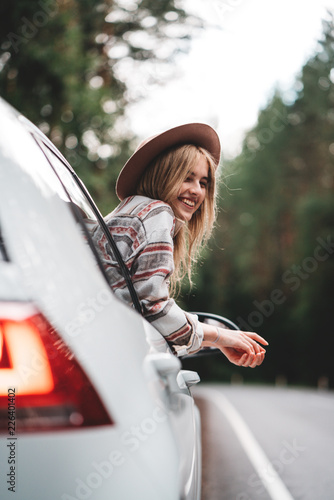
[(8, 112), (37, 225)]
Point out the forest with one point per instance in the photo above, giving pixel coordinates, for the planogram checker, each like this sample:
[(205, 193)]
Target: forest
[(67, 64)]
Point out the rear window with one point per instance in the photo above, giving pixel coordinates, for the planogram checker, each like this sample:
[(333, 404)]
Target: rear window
[(74, 193), (3, 251)]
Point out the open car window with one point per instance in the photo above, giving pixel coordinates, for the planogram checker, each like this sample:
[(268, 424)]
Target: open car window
[(68, 190), (3, 250), (72, 189), (89, 214)]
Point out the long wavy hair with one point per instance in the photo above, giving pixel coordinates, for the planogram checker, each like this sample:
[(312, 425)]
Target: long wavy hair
[(162, 180)]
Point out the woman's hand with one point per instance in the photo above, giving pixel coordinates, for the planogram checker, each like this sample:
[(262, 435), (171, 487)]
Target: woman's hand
[(240, 348)]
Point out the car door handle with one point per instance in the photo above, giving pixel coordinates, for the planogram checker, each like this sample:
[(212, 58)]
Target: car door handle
[(166, 367), (187, 378), (165, 364)]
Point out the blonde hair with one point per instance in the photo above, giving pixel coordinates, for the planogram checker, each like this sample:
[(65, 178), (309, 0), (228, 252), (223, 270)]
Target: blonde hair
[(162, 180)]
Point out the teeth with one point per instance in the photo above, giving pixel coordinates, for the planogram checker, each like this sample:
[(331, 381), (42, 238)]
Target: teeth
[(188, 202)]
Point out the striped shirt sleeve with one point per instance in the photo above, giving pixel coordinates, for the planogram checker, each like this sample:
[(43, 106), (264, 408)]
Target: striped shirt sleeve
[(152, 269), (144, 236)]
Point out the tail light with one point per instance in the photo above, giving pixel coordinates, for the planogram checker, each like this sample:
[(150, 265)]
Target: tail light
[(41, 382)]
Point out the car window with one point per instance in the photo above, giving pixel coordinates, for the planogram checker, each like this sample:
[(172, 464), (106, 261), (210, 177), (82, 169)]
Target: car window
[(63, 183), (72, 189), (3, 251), (90, 215)]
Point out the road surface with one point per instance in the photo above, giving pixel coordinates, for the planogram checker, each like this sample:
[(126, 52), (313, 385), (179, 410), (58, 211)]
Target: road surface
[(266, 443)]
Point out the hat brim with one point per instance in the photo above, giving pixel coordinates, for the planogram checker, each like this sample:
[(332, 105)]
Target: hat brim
[(199, 134)]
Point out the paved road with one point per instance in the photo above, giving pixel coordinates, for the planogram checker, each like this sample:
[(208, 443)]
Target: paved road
[(266, 443)]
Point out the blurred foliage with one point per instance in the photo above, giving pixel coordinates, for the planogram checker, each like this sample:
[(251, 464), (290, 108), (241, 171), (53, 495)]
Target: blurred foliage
[(72, 66), (275, 274)]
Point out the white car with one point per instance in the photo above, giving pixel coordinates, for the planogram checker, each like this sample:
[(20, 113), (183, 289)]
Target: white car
[(93, 404)]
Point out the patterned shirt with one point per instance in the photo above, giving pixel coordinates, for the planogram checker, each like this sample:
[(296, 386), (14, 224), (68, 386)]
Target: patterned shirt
[(143, 230)]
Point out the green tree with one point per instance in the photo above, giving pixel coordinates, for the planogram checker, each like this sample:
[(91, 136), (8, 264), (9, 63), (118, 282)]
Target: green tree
[(275, 274), (69, 66)]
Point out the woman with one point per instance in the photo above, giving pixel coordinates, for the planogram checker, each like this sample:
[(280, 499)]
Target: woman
[(167, 191)]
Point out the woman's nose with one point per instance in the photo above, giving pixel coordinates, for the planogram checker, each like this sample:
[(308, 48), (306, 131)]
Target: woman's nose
[(195, 187)]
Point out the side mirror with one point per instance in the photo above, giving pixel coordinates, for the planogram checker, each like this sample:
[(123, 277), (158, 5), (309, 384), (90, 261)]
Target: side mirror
[(216, 320)]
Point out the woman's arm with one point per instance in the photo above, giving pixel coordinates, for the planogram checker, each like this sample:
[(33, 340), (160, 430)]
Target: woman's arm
[(240, 348)]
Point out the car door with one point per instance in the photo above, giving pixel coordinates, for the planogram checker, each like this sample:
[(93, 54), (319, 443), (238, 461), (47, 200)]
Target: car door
[(169, 383)]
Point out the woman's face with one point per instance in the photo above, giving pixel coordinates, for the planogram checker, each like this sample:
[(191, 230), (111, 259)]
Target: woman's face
[(193, 190)]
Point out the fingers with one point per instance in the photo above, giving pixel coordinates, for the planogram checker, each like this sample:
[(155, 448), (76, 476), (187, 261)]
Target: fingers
[(247, 341), (252, 348), (250, 360), (242, 348), (258, 360), (256, 337), (255, 349), (258, 349)]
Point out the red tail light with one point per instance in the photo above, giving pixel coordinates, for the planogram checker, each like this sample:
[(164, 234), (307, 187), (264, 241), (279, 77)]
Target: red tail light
[(41, 383)]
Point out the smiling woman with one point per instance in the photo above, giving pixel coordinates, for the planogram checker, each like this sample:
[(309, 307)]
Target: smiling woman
[(193, 190), (167, 191)]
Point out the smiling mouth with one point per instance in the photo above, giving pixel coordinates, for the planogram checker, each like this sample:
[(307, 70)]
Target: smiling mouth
[(188, 202)]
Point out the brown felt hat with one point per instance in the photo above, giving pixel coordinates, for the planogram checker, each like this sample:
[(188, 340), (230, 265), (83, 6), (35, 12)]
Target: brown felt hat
[(198, 134)]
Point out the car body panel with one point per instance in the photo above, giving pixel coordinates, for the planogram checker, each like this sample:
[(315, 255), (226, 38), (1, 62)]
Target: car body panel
[(152, 446)]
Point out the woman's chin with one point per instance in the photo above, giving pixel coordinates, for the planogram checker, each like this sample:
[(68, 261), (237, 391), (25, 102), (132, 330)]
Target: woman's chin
[(180, 214)]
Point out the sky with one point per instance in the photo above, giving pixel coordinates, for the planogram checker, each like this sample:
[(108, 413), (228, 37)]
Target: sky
[(232, 70)]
